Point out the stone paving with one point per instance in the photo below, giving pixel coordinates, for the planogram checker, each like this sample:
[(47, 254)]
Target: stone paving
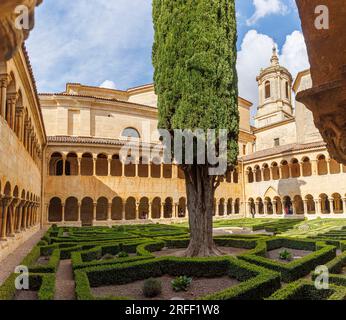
[(8, 265)]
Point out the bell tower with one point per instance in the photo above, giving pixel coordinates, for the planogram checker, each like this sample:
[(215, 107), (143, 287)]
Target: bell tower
[(275, 94)]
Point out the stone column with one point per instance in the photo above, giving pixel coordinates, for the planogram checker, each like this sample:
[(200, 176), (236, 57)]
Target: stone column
[(3, 88), (344, 205), (137, 207), (162, 211), (25, 213), (123, 213), (79, 165), (328, 166), (294, 208), (331, 205), (94, 166), (290, 170), (318, 206), (161, 170), (217, 211), (265, 207), (64, 165), (14, 205), (63, 213), (20, 216), (94, 211), (305, 206), (5, 206), (174, 171), (11, 105), (150, 207), (79, 212), (19, 122), (109, 212), (109, 165), (225, 213), (275, 203), (257, 207)]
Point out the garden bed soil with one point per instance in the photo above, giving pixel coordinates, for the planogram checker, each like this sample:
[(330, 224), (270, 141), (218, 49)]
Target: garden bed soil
[(43, 260), (227, 251), (198, 288), (296, 254)]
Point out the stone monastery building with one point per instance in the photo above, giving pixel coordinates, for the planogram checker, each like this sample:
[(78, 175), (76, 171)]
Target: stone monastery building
[(60, 161)]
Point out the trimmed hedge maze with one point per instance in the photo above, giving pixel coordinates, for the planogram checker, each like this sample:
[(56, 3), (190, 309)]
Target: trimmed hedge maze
[(127, 255)]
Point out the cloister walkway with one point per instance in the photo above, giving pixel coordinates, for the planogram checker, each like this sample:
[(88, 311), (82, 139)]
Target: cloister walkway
[(15, 258)]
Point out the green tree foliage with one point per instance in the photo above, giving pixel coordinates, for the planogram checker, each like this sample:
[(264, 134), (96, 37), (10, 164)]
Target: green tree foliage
[(194, 57)]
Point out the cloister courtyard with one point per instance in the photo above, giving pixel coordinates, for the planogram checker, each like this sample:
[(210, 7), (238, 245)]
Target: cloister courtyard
[(261, 259)]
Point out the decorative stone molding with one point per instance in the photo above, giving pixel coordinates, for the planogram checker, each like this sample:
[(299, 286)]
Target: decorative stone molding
[(327, 98), (12, 37)]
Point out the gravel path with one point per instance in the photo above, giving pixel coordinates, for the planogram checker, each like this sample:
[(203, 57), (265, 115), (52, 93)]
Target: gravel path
[(64, 282), (199, 287), (8, 265)]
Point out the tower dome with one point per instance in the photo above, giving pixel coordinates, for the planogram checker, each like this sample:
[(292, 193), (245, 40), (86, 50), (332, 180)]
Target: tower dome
[(275, 94)]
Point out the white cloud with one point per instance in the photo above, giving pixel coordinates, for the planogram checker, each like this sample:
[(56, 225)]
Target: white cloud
[(80, 41), (108, 84), (265, 8), (255, 53)]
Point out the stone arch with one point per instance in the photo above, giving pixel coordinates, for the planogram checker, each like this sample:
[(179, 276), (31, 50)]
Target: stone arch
[(322, 165), (266, 172), (102, 165), (87, 164), (338, 206), (334, 167), (237, 206), (56, 164), (181, 174), (295, 168), (116, 166), (311, 207), (271, 193), (298, 204), (117, 209), (278, 205), (182, 208), (260, 205), (325, 204), (71, 209), (143, 208), (250, 175), (156, 168), (87, 210), (258, 174), (267, 90), (269, 205), (285, 171), (167, 171), (222, 207), (143, 167), (168, 208), (8, 189), (71, 167), (306, 166), (275, 171), (102, 209), (130, 132), (288, 205), (252, 207), (156, 208), (130, 209), (55, 210), (229, 206), (130, 167), (235, 176)]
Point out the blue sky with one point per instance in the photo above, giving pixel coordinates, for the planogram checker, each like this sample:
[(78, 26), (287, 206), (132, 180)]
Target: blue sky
[(108, 43)]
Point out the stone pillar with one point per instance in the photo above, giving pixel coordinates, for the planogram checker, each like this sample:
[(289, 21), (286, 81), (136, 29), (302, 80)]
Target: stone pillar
[(137, 206), (19, 122), (331, 205), (162, 211), (14, 205), (94, 211), (275, 203), (265, 207), (150, 208), (5, 206), (79, 165), (79, 212), (290, 170), (174, 171), (109, 212), (161, 170), (25, 213), (63, 165), (94, 166), (305, 206), (109, 165), (328, 166), (136, 164), (20, 216), (257, 207), (225, 213), (63, 212), (3, 88), (217, 211), (294, 208), (318, 206), (123, 213)]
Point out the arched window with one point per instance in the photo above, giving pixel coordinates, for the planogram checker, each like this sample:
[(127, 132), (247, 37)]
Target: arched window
[(130, 133), (267, 90)]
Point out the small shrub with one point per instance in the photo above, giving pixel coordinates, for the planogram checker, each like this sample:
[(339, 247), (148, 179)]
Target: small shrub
[(107, 257), (122, 254), (152, 288), (285, 255), (181, 283)]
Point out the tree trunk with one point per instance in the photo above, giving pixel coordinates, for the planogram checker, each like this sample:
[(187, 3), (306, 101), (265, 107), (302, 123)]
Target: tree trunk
[(200, 189)]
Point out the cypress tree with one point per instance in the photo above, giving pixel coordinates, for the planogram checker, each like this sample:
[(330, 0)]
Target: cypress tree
[(195, 77)]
